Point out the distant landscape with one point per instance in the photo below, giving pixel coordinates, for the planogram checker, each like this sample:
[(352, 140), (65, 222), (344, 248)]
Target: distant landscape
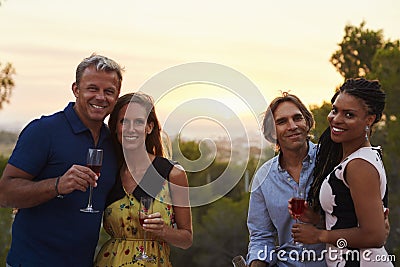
[(7, 142)]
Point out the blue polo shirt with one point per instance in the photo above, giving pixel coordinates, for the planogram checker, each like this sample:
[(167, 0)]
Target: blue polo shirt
[(56, 233)]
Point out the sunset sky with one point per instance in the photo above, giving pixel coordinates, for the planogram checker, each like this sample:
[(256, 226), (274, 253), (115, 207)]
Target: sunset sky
[(278, 45)]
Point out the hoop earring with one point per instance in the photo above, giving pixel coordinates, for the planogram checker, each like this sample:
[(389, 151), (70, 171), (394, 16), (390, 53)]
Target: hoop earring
[(366, 132)]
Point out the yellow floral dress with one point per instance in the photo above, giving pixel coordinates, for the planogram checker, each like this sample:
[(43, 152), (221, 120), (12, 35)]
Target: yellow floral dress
[(121, 222)]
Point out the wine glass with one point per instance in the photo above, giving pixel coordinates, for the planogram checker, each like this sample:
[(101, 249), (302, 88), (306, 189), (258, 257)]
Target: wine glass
[(298, 205), (94, 161), (145, 209), (239, 261)]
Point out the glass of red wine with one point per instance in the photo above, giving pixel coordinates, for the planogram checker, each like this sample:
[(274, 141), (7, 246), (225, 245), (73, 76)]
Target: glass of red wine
[(298, 204), (94, 161), (145, 209)]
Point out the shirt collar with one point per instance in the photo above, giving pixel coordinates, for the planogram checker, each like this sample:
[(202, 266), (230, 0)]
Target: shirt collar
[(78, 126), (73, 119), (308, 159)]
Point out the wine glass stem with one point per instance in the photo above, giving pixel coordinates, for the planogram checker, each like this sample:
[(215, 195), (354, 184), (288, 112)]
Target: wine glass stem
[(90, 196), (144, 245)]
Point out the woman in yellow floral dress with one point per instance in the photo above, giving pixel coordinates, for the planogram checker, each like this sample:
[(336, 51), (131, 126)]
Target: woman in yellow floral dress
[(143, 172)]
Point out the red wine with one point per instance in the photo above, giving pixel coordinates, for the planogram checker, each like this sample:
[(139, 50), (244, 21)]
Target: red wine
[(141, 221), (95, 168), (297, 206)]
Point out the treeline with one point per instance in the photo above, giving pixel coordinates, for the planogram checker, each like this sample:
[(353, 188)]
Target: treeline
[(8, 138), (7, 142)]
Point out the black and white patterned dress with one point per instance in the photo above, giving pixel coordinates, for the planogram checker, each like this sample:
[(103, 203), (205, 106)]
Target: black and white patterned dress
[(339, 210)]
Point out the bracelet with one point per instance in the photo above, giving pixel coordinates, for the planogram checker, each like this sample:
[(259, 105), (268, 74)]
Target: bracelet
[(56, 187)]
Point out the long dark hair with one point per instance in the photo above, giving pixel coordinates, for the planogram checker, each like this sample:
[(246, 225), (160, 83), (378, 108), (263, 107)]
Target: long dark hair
[(153, 140), (329, 153)]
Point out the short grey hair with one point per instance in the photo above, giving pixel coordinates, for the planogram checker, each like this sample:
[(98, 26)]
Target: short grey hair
[(101, 63)]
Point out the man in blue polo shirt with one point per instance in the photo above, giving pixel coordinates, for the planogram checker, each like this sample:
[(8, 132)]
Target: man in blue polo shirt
[(47, 180)]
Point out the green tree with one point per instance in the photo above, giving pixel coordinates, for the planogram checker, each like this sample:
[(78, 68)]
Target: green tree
[(364, 53), (321, 122), (356, 51), (220, 230), (5, 223), (386, 68), (5, 236), (187, 149), (6, 83), (220, 235)]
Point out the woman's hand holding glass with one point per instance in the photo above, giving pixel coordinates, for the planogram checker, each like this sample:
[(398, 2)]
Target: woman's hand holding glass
[(155, 224), (307, 216), (305, 232)]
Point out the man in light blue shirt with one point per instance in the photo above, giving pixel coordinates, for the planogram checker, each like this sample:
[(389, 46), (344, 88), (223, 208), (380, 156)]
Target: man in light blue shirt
[(287, 123)]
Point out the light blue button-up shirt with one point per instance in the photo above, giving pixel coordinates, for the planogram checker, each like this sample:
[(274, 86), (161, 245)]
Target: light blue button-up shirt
[(269, 221)]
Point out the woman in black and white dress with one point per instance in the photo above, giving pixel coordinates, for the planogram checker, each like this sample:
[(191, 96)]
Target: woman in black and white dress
[(350, 181)]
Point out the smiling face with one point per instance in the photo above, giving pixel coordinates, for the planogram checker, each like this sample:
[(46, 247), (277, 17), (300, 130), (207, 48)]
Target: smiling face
[(96, 95), (291, 127), (132, 126), (348, 119)]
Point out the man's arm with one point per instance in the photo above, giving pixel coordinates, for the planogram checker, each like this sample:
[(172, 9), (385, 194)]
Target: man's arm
[(261, 229), (18, 190)]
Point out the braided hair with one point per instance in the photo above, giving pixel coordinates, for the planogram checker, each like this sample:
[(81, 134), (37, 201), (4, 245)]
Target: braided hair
[(329, 153)]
